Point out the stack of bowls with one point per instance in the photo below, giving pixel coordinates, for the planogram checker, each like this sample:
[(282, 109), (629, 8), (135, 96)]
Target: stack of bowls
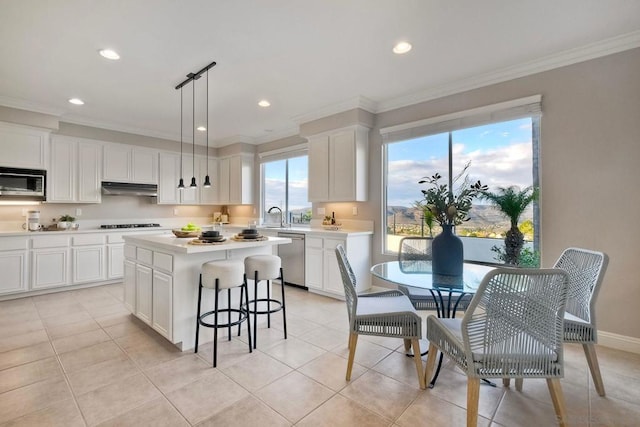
[(249, 233), (211, 236)]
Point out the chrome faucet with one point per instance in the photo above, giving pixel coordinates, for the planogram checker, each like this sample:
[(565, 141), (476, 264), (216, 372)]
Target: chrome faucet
[(281, 215)]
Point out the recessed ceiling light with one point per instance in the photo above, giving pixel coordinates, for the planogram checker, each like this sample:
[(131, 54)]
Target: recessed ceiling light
[(201, 128), (76, 101), (402, 47), (264, 103), (110, 54)]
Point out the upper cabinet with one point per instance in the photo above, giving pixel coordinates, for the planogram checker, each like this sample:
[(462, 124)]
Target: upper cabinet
[(236, 180), (338, 170), (74, 171), (23, 147), (127, 163), (168, 192)]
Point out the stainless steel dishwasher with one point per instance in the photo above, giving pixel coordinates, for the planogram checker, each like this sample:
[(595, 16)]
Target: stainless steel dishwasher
[(292, 256)]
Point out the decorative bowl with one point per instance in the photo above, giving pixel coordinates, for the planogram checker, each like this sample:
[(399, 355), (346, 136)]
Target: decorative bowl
[(181, 233)]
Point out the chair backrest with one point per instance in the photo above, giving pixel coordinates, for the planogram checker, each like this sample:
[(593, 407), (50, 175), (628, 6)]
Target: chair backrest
[(516, 314), (586, 269), (349, 283), (415, 249)]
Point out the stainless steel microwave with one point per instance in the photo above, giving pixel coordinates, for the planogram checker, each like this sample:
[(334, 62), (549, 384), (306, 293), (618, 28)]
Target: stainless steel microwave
[(22, 184)]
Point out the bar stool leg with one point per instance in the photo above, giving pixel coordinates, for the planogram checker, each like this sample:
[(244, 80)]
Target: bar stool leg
[(268, 303), (246, 300), (284, 313), (240, 307), (229, 315), (198, 312), (215, 329), (255, 309)]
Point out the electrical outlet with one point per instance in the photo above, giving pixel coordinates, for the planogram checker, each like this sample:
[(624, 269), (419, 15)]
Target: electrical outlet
[(320, 211), (78, 212), (175, 211), (254, 211), (354, 210), (24, 212)]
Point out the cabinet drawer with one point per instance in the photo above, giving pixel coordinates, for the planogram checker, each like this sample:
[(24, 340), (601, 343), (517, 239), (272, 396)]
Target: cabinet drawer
[(88, 239), (314, 242), (129, 251), (144, 255), (49, 242), (115, 238), (163, 261), (332, 243), (13, 243)]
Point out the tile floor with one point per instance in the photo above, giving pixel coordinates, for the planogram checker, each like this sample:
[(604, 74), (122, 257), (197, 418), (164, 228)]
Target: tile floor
[(78, 358)]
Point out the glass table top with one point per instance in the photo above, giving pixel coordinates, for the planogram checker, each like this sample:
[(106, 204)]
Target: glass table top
[(418, 274)]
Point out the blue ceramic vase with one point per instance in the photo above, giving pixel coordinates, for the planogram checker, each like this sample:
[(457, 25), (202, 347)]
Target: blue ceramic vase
[(447, 253)]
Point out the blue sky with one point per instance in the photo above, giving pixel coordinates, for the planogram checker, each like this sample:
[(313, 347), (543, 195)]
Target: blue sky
[(500, 156)]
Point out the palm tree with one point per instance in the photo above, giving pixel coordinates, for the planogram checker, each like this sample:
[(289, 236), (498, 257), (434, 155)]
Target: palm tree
[(512, 202)]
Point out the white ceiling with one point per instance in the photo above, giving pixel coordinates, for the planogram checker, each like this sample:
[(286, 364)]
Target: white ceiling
[(308, 58)]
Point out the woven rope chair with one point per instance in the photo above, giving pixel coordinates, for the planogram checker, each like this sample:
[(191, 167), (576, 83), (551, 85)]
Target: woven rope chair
[(384, 314), (419, 249), (586, 269), (512, 329)]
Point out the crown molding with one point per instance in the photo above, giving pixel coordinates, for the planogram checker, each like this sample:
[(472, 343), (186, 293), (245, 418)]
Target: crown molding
[(361, 102), (279, 134), (84, 121), (21, 104), (550, 62)]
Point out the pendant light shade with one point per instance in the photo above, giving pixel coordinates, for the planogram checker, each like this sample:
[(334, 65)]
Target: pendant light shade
[(191, 78)]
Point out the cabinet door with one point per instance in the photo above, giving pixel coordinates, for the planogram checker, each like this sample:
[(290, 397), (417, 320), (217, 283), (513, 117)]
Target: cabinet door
[(130, 285), (190, 196), (115, 259), (116, 162), (168, 181), (144, 166), (209, 196), (313, 267), (223, 188), (89, 173), (144, 290), (319, 169), (13, 268), (332, 277), (88, 264), (162, 303), (61, 185), (22, 147), (50, 268), (342, 166)]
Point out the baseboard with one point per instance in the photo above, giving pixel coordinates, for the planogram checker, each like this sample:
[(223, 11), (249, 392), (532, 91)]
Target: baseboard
[(619, 342)]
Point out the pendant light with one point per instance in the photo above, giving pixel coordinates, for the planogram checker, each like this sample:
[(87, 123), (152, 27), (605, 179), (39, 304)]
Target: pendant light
[(181, 182), (207, 181), (193, 141)]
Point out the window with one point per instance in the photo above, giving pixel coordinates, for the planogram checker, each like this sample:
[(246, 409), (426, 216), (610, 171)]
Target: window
[(285, 185), (500, 153)]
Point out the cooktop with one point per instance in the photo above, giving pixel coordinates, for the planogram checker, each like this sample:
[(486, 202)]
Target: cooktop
[(129, 225)]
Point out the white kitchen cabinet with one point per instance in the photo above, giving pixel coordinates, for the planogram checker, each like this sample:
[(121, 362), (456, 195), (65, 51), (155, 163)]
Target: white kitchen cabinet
[(162, 303), (127, 163), (88, 264), (208, 196), (190, 196), (13, 265), (74, 171), (322, 271), (144, 293), (115, 258), (23, 147), (130, 285), (338, 165), (236, 179), (49, 261), (168, 192)]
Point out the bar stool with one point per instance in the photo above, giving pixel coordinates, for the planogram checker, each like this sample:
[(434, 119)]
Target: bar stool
[(220, 275), (265, 267)]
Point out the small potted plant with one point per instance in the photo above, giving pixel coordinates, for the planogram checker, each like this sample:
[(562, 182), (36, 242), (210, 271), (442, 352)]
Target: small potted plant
[(66, 221)]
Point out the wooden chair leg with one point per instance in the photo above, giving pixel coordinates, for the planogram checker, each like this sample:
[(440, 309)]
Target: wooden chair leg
[(431, 363), (519, 382), (353, 341), (594, 367), (555, 389), (407, 345), (473, 396), (506, 382), (415, 343)]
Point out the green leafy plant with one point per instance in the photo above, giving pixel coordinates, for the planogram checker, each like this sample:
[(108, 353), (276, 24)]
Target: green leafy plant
[(512, 202), (450, 206), (67, 218), (527, 257)]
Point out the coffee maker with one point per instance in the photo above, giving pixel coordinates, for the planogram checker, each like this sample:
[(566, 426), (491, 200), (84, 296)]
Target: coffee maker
[(33, 221)]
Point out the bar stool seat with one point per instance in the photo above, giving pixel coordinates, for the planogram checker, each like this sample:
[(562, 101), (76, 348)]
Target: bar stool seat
[(265, 267), (218, 276)]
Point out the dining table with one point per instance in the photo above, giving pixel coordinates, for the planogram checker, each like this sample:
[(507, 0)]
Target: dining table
[(417, 280)]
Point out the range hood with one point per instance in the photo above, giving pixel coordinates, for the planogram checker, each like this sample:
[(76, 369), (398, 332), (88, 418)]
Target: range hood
[(129, 189)]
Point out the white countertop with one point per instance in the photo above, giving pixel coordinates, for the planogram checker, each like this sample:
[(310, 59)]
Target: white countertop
[(169, 242)]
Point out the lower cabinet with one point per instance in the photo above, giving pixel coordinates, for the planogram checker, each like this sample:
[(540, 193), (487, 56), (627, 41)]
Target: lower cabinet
[(49, 268), (162, 303), (321, 265), (88, 264), (144, 293), (13, 265), (115, 261), (130, 285)]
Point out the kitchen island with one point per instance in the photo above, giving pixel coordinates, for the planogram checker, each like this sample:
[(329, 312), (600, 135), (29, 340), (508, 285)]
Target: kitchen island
[(161, 275)]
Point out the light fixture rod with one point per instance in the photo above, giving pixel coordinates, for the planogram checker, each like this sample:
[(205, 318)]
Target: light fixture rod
[(196, 76)]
